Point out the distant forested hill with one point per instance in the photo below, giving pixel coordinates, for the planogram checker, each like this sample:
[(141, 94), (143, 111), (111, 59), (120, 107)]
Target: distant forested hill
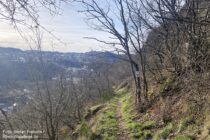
[(19, 65)]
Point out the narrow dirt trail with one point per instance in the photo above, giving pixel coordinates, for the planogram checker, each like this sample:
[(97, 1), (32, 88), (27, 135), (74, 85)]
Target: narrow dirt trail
[(123, 133)]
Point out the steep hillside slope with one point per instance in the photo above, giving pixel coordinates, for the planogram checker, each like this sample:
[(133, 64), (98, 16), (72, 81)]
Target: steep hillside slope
[(118, 119)]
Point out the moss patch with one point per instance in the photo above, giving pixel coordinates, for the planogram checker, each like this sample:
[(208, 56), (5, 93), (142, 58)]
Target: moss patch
[(137, 130), (183, 137), (185, 123), (107, 127), (82, 131), (164, 133)]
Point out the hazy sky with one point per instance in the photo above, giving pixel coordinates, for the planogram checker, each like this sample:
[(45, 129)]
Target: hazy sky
[(70, 27)]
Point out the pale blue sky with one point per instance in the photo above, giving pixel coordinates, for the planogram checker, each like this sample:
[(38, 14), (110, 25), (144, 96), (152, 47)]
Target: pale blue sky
[(70, 27)]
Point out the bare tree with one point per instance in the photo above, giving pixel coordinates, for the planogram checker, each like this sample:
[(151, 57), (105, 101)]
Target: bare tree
[(121, 20), (184, 26)]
